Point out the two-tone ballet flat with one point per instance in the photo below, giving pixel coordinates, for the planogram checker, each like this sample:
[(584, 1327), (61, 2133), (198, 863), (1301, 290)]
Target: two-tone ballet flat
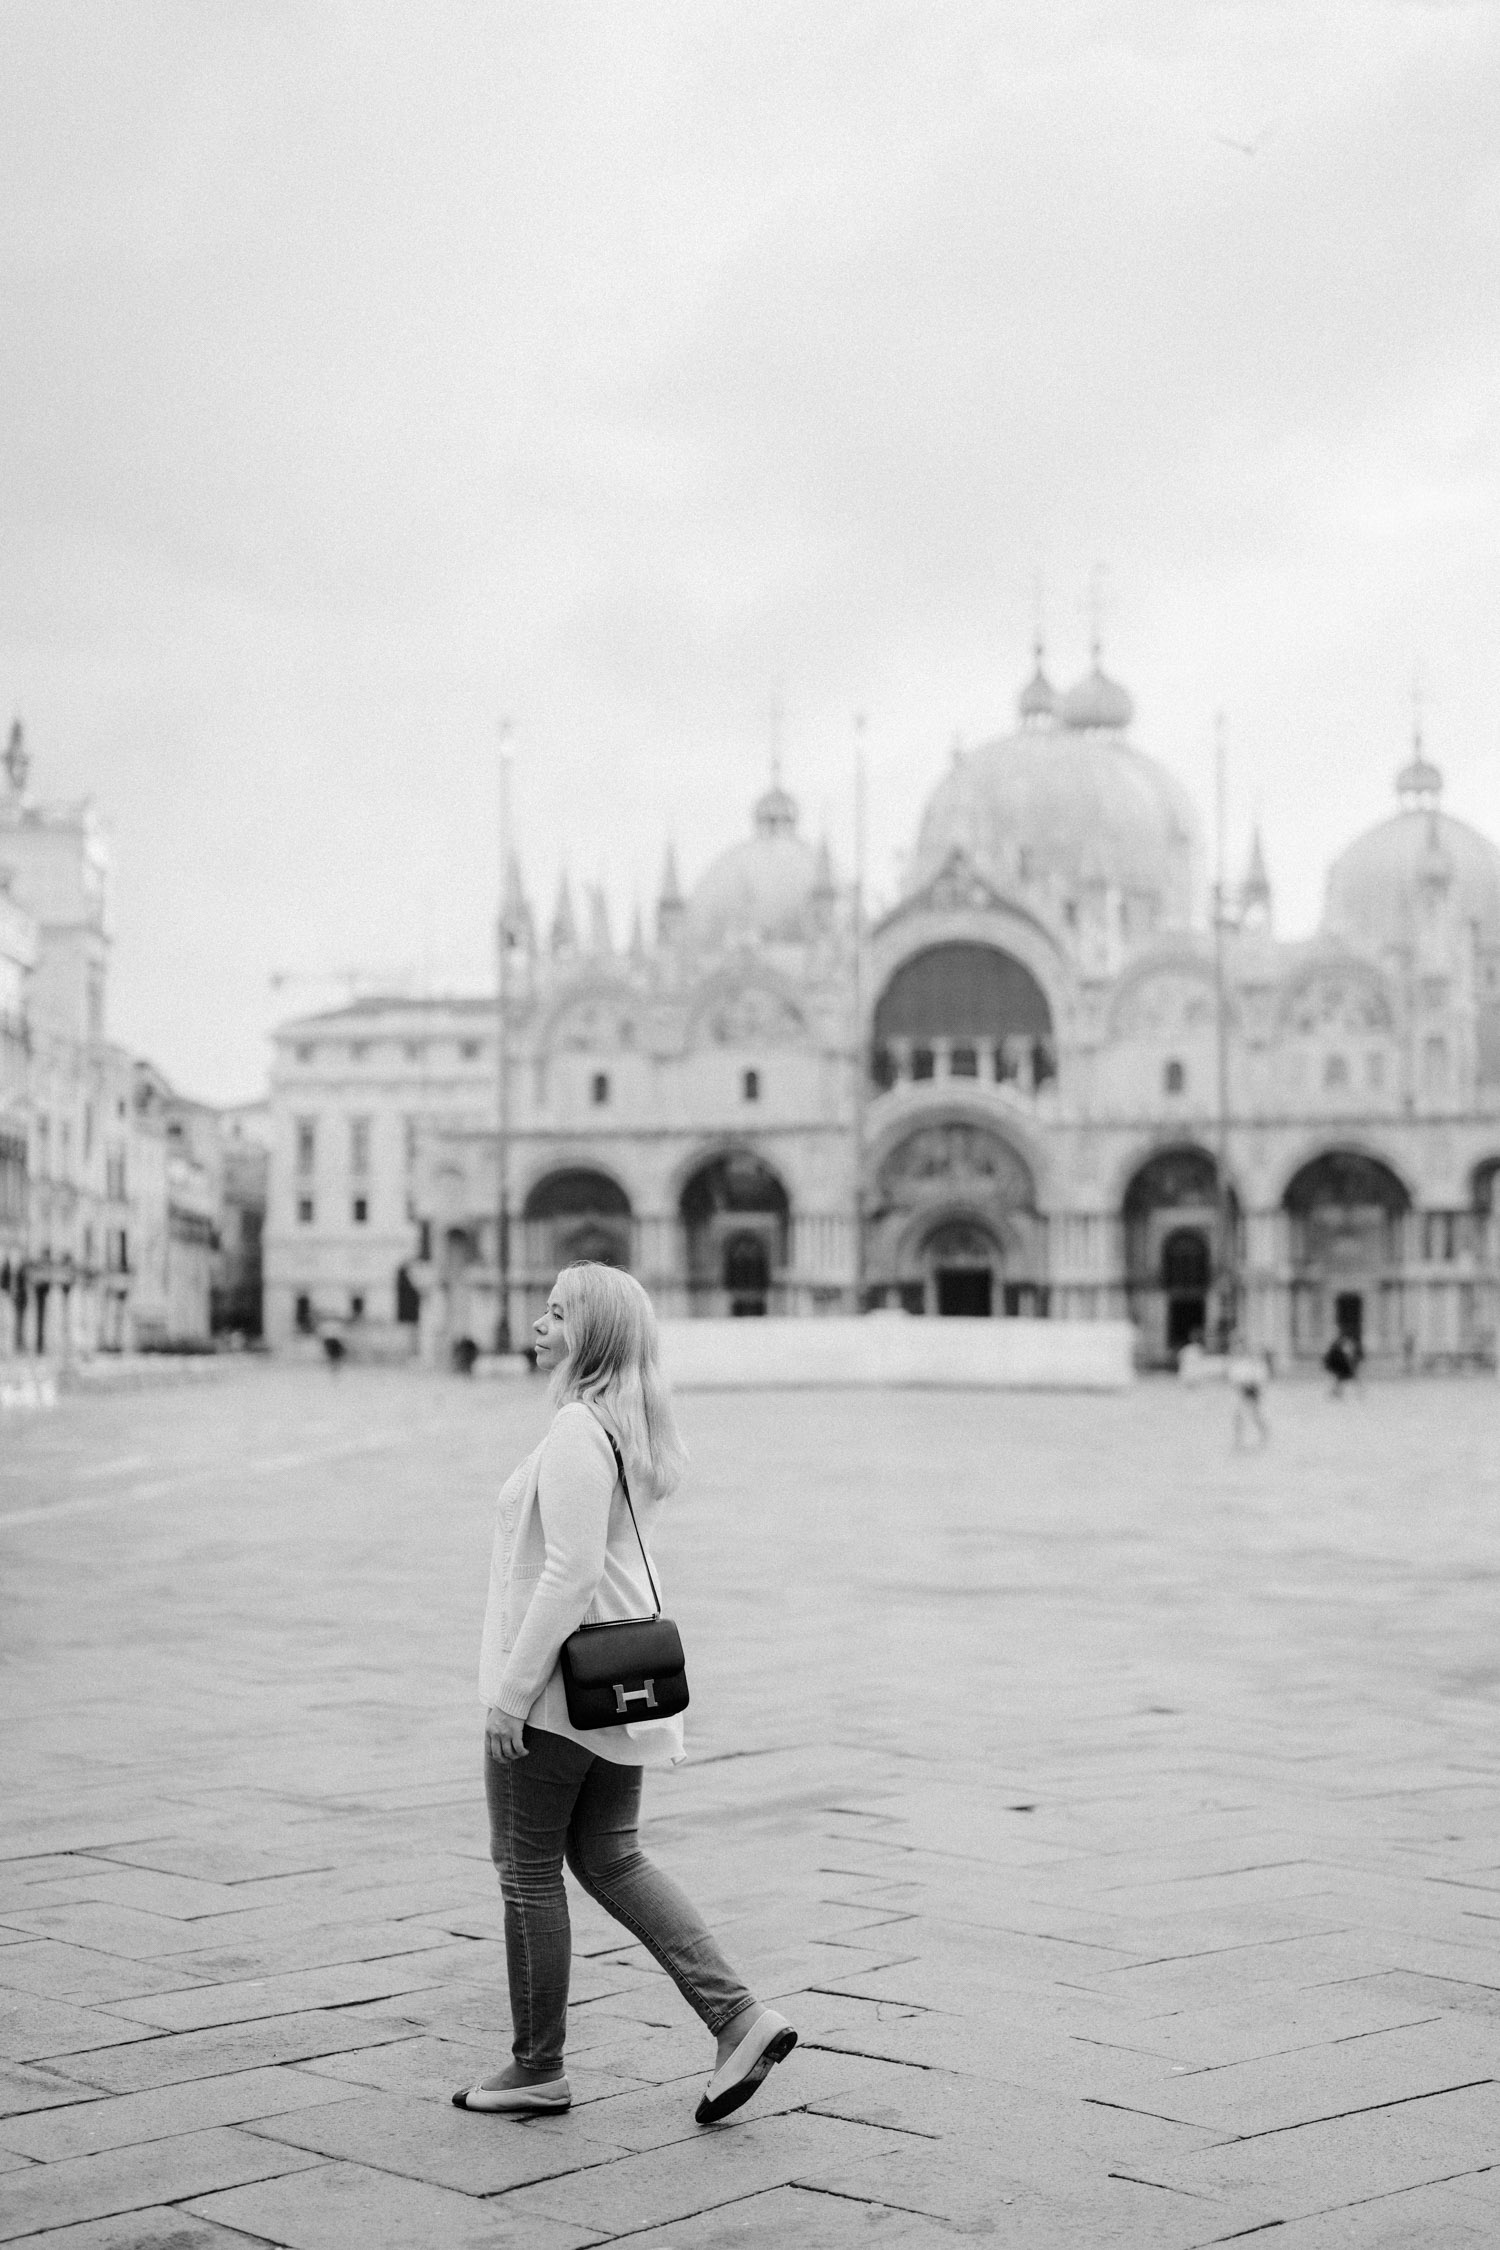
[(544, 2099), (769, 2040)]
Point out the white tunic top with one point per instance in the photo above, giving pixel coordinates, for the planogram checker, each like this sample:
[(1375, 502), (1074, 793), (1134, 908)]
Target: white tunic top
[(564, 1554)]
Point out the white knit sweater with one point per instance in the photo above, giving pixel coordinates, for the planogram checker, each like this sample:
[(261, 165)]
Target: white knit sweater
[(564, 1553)]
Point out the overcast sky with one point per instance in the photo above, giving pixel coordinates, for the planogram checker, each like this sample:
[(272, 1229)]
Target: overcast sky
[(628, 369)]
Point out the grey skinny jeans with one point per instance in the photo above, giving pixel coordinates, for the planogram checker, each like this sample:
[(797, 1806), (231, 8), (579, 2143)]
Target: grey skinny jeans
[(557, 1802)]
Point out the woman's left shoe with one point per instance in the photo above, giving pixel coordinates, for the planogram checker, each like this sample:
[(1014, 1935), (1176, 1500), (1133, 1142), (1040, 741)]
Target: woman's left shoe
[(769, 2040), (544, 2097)]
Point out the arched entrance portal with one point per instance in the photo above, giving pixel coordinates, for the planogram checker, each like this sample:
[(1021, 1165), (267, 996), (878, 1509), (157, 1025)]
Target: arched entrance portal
[(571, 1215), (736, 1217), (1172, 1228), (963, 1011), (1346, 1213), (954, 1226)]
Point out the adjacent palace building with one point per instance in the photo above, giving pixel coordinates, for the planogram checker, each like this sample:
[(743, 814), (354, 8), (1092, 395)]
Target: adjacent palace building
[(1007, 1106)]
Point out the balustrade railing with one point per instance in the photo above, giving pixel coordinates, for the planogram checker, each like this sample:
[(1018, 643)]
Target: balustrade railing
[(1022, 1062)]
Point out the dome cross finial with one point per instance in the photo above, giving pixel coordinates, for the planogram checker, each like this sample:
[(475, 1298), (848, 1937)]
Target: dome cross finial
[(1419, 784), (1096, 608)]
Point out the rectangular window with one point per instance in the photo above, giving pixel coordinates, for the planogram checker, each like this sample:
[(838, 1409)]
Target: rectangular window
[(600, 1088), (359, 1144), (409, 1130), (356, 1305), (361, 1210), (304, 1210), (1335, 1071), (304, 1316), (469, 1050), (750, 1086), (307, 1143)]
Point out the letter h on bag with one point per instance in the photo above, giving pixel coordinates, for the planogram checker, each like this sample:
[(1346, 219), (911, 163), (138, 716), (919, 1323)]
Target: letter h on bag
[(624, 1696)]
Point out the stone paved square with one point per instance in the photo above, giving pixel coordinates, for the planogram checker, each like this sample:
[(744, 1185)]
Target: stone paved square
[(1115, 1814)]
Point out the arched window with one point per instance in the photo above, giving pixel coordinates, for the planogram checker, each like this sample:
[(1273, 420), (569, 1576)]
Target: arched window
[(978, 1000), (1173, 1078), (575, 1214)]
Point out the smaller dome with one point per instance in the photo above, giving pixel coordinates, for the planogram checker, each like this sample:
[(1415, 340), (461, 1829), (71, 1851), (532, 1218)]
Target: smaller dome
[(1375, 881), (1038, 700), (769, 886), (776, 812), (1419, 782), (1097, 701)]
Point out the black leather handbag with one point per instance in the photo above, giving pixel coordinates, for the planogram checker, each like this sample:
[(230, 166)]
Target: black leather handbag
[(627, 1668)]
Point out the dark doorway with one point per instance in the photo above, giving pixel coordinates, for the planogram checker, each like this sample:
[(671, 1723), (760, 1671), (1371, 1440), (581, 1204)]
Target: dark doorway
[(1349, 1315), (747, 1275), (1185, 1270), (408, 1299), (967, 1292), (737, 1218)]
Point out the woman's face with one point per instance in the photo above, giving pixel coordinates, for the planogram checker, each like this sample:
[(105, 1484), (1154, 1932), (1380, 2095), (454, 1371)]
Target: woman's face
[(550, 1334)]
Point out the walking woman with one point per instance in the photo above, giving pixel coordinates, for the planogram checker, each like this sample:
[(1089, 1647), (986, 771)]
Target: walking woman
[(567, 1553)]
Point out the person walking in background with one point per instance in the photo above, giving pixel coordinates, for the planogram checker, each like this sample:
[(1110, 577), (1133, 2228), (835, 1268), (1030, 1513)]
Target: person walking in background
[(1249, 1372), (571, 1546), (1341, 1361)]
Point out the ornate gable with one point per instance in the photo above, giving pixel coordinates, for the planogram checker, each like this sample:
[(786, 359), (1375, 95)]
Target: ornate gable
[(958, 887)]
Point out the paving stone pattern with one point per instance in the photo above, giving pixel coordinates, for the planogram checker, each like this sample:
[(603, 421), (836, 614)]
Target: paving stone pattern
[(1114, 1814)]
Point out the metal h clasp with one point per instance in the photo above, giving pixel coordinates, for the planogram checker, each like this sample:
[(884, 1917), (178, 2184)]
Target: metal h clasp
[(646, 1695)]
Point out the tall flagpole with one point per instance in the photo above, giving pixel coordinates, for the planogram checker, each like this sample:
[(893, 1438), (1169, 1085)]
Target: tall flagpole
[(1228, 1246), (861, 1055), (502, 1061)]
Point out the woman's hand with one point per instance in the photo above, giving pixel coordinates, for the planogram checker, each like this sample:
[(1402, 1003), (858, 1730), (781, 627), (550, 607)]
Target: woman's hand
[(503, 1734)]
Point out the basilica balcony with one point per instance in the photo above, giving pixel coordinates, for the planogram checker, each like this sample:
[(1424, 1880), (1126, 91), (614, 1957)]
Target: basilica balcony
[(1018, 1072)]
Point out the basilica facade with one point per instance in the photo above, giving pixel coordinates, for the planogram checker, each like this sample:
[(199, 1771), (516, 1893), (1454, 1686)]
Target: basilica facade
[(1044, 1084)]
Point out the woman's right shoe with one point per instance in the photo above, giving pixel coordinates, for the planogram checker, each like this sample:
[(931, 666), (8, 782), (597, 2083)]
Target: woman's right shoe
[(543, 2098), (769, 2040)]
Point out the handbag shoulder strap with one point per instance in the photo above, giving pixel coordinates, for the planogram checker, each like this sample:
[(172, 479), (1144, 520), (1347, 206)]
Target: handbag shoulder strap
[(630, 1504)]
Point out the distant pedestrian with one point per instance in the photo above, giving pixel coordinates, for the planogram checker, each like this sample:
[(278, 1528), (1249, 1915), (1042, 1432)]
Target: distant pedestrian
[(571, 1546), (334, 1347), (1341, 1361), (1249, 1372)]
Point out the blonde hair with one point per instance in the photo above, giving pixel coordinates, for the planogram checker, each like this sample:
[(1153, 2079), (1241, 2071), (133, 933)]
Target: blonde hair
[(612, 1363)]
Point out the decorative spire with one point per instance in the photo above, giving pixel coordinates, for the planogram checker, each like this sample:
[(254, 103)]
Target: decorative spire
[(17, 759), (564, 927), (669, 903), (516, 920), (601, 939), (637, 936), (1255, 890)]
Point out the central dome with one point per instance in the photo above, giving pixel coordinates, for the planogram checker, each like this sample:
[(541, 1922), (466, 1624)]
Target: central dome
[(1059, 810)]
